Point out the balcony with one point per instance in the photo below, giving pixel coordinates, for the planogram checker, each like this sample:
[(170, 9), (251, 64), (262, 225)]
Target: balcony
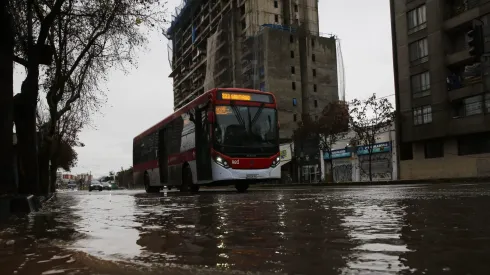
[(464, 82), (469, 124), (459, 12), (458, 58)]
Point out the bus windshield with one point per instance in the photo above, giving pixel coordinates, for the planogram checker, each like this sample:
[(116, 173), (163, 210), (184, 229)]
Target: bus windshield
[(245, 126)]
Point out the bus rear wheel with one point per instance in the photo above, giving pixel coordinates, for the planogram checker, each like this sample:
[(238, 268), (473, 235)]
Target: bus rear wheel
[(241, 187), (148, 188), (187, 184)]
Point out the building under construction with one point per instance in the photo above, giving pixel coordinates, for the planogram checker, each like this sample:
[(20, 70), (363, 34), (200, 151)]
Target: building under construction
[(268, 45)]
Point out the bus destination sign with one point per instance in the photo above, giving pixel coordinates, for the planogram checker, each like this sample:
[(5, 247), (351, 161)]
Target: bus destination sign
[(246, 97)]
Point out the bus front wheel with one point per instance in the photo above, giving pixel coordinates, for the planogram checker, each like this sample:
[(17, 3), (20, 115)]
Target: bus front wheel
[(241, 187)]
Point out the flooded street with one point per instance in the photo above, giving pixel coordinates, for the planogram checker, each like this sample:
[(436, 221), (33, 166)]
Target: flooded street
[(422, 229)]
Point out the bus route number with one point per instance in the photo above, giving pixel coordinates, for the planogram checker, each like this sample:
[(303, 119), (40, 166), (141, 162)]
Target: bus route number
[(235, 161)]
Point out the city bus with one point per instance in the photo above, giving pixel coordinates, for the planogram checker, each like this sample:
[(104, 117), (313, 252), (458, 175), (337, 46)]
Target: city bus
[(226, 136)]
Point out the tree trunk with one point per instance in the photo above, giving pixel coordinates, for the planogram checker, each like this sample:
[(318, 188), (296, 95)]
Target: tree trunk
[(7, 183), (52, 176), (25, 124), (332, 178), (44, 168), (370, 172)]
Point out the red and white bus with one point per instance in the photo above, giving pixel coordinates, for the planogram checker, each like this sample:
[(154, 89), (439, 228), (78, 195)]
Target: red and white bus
[(225, 136)]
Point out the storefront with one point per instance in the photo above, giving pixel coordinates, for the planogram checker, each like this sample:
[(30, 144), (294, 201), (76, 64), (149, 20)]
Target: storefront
[(342, 165), (353, 164), (381, 162)]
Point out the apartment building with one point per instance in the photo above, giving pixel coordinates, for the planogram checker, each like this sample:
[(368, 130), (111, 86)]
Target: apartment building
[(442, 95), (268, 45)]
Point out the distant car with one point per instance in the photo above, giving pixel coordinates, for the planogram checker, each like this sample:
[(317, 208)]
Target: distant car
[(95, 185)]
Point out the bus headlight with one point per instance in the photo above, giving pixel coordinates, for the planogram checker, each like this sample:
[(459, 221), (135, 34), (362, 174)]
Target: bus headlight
[(219, 160), (276, 162)]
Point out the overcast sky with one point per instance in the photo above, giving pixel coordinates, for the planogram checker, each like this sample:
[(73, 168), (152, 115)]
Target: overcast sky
[(142, 97)]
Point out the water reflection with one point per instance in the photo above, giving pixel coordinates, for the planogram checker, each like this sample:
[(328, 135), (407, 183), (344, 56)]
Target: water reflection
[(375, 228), (274, 232), (107, 225), (447, 232)]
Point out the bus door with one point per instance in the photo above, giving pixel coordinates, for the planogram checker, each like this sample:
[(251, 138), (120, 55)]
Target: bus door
[(162, 155), (203, 145)]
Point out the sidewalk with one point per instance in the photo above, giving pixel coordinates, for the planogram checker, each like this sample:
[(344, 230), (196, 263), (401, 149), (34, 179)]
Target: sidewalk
[(386, 182)]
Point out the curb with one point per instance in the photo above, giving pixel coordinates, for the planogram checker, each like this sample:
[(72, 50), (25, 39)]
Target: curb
[(377, 183), (22, 204)]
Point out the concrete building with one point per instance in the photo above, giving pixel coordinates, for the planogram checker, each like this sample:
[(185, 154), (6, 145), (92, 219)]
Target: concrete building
[(444, 106), (268, 45), (353, 165)]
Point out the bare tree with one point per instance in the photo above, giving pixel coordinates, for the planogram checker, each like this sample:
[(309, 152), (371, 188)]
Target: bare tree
[(86, 39), (6, 100), (30, 51), (369, 119)]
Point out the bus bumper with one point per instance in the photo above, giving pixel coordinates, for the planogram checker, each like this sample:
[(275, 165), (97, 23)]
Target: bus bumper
[(220, 173)]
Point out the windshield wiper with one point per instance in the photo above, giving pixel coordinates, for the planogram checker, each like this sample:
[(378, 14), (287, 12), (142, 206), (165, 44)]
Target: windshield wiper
[(257, 114), (237, 114)]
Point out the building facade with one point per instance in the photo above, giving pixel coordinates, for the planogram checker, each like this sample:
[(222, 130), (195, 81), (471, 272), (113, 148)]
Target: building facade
[(353, 164), (442, 95), (268, 45)]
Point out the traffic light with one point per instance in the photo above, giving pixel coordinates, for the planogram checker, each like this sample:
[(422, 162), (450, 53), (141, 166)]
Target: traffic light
[(475, 41)]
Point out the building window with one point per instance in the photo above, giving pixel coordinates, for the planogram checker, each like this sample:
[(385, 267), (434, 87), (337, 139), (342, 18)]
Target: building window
[(262, 86), (295, 102), (291, 39), (420, 85), (473, 105), (293, 85), (434, 149), (417, 19), (422, 115), (474, 144), (316, 117), (419, 52), (313, 42), (313, 57), (314, 72), (296, 7), (314, 88), (297, 21), (469, 106), (316, 103), (276, 4), (292, 70), (294, 117), (292, 54), (276, 18)]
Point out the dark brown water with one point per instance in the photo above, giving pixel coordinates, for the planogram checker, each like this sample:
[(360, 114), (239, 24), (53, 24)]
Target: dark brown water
[(430, 229)]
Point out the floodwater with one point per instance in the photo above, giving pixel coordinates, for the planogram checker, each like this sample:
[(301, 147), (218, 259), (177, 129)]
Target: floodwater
[(412, 229)]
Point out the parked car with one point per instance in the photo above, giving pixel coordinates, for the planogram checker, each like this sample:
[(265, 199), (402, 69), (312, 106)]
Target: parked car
[(95, 185)]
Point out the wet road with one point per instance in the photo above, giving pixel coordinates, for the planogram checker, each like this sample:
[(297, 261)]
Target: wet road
[(423, 229)]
